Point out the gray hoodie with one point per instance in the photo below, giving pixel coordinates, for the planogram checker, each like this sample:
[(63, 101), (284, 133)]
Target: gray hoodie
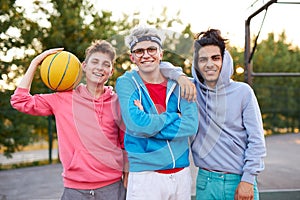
[(230, 137)]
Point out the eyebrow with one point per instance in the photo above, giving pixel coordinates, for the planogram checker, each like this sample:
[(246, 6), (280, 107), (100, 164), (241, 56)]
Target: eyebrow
[(216, 55), (97, 59)]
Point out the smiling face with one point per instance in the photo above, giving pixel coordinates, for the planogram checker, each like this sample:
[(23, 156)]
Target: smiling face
[(210, 64), (98, 68), (146, 57)]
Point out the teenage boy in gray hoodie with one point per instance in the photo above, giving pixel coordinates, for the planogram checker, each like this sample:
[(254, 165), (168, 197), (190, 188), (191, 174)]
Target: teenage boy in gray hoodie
[(229, 147)]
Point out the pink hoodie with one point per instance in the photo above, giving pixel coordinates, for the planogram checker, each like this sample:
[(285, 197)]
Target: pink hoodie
[(89, 133)]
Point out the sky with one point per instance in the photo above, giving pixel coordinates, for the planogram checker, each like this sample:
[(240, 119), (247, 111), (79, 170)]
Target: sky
[(227, 15)]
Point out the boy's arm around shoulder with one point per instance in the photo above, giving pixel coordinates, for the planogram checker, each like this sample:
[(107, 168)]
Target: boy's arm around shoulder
[(170, 71), (188, 89)]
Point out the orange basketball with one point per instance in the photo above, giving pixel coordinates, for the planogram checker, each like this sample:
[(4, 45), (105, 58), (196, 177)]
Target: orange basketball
[(61, 71)]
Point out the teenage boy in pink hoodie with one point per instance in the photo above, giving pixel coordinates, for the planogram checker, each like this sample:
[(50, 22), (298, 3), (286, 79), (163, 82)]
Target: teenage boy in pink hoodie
[(88, 125)]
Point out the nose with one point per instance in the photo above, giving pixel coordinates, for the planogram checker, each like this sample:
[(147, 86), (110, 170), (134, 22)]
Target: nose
[(210, 63), (99, 66), (145, 53)]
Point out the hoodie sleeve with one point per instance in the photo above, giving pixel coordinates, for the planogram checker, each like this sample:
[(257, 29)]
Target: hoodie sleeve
[(24, 102), (137, 122), (256, 148), (185, 126), (170, 71)]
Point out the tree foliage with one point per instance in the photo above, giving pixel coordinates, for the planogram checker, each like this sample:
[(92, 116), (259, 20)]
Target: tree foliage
[(278, 96), (17, 34), (72, 24)]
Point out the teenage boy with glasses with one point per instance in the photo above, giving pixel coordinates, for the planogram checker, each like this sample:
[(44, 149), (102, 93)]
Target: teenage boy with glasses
[(158, 123)]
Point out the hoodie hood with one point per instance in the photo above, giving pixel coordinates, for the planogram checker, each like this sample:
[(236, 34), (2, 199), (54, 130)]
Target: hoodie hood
[(82, 91), (105, 99), (212, 104)]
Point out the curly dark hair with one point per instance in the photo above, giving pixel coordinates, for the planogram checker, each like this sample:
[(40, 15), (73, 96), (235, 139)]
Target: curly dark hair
[(210, 37), (205, 38)]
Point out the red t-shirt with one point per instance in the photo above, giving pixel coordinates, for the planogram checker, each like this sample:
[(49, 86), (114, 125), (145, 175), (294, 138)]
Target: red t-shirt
[(158, 94)]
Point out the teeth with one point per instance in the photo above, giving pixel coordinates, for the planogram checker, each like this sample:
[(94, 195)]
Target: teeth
[(97, 74), (147, 62)]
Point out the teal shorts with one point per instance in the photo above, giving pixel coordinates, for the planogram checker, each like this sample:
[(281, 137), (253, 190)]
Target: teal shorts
[(218, 186)]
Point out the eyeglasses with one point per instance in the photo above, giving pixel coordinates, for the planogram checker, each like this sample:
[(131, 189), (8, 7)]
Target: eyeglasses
[(140, 52)]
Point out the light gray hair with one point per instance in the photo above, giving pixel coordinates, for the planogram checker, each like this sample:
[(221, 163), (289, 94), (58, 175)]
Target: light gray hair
[(143, 33)]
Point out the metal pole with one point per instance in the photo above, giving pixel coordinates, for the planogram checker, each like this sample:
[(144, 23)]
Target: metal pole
[(248, 67), (50, 136), (247, 74)]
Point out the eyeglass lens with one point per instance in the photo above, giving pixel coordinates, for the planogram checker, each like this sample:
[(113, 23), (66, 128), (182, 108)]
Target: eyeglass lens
[(140, 52)]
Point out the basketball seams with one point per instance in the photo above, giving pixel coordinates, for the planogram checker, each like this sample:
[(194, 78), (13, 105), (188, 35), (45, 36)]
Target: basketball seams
[(49, 70), (76, 81), (63, 75)]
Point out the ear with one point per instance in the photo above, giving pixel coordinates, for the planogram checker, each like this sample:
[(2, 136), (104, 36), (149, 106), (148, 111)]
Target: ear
[(161, 54), (111, 71), (83, 66), (132, 58)]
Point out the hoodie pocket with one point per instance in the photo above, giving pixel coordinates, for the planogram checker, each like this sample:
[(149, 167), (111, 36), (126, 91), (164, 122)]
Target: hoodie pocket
[(85, 168)]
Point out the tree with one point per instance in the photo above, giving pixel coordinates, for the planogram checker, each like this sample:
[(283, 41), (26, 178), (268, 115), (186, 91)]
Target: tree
[(278, 96), (66, 28), (72, 24), (238, 61), (16, 31), (17, 34)]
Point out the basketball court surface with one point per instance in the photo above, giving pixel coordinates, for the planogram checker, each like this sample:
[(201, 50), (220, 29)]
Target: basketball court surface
[(279, 181)]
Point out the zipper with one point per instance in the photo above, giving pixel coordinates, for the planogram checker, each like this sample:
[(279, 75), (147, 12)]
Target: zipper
[(167, 99), (172, 155)]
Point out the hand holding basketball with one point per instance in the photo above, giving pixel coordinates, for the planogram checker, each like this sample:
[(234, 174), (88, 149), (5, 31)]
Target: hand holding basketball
[(39, 59)]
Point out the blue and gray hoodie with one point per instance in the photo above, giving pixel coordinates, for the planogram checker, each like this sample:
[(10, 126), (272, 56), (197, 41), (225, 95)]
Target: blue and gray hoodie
[(155, 141)]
